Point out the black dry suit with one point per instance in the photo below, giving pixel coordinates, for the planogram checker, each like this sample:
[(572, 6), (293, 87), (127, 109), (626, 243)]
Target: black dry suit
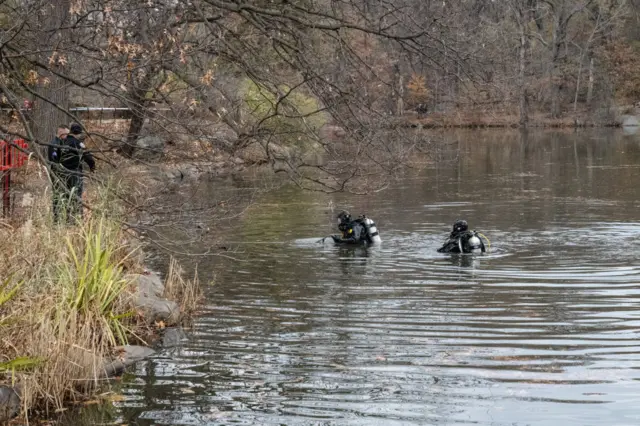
[(354, 231), (462, 240), (67, 156)]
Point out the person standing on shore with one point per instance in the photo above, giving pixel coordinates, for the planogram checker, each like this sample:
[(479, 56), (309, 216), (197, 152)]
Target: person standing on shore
[(58, 183), (67, 153)]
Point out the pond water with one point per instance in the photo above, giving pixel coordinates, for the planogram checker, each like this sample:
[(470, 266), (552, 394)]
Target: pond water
[(543, 330)]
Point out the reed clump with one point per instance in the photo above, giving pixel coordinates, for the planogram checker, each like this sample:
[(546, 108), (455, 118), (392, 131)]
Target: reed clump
[(187, 292)]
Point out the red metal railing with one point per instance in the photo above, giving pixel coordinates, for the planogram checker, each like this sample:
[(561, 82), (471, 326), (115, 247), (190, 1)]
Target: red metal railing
[(12, 156)]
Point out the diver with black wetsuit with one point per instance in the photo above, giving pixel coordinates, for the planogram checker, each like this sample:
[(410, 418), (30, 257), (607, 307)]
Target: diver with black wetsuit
[(356, 231), (462, 240)]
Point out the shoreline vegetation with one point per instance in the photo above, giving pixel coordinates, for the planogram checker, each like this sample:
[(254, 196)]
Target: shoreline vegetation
[(468, 118), (77, 304)]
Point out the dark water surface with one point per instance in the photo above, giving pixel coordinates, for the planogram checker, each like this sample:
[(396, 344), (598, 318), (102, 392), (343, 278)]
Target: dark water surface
[(542, 331)]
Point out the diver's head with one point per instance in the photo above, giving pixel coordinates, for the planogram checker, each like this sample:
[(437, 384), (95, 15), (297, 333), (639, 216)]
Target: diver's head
[(344, 216), (460, 225), (344, 221)]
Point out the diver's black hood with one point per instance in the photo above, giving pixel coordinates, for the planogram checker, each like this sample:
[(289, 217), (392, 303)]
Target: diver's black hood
[(460, 226)]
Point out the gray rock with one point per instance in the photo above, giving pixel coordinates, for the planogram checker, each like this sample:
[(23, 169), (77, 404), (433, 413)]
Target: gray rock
[(158, 309), (173, 336), (150, 147), (149, 285), (130, 355), (114, 368), (190, 171), (9, 403), (134, 353), (186, 171), (174, 174), (149, 298)]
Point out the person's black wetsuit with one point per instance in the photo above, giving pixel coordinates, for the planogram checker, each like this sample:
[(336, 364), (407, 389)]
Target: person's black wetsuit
[(462, 240), (353, 230)]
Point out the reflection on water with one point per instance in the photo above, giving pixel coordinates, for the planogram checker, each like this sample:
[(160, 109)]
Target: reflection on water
[(543, 330)]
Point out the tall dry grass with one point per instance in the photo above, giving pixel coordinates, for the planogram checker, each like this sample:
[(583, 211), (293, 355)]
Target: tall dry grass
[(65, 303), (188, 293), (66, 296)]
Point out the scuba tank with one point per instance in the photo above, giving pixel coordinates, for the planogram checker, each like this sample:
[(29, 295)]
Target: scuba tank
[(372, 230), (474, 244)]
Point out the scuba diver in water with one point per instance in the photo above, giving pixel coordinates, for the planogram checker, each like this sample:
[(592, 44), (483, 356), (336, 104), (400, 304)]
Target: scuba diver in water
[(356, 231), (462, 240)]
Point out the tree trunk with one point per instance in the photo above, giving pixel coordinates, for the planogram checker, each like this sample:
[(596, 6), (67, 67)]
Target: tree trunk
[(554, 82), (138, 106), (522, 16), (556, 44), (399, 91), (138, 86), (564, 11), (400, 106), (590, 85), (49, 108), (578, 78), (524, 113)]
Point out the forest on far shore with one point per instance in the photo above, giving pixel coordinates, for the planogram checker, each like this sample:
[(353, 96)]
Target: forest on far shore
[(275, 77)]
